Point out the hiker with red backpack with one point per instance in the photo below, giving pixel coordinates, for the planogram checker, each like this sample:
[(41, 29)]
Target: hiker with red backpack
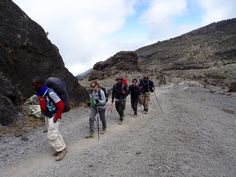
[(52, 108), (146, 86), (119, 94), (134, 92), (97, 104)]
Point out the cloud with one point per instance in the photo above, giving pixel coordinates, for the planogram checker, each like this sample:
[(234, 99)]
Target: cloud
[(216, 10), (160, 16)]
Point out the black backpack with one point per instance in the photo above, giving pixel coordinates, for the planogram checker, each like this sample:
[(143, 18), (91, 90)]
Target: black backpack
[(59, 86), (106, 93)]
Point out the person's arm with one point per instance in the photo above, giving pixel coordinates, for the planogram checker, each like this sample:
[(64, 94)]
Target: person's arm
[(102, 101), (152, 87), (129, 90), (59, 104), (126, 90), (138, 91), (140, 86), (113, 94)]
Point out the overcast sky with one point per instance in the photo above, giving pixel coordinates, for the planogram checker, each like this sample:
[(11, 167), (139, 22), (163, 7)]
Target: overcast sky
[(88, 31)]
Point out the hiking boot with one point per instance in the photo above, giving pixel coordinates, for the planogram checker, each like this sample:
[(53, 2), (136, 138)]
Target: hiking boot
[(120, 122), (55, 153), (90, 135), (103, 131), (61, 155)]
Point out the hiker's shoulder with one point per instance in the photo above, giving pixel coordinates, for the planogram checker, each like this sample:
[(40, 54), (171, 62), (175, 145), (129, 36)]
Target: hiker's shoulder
[(101, 91)]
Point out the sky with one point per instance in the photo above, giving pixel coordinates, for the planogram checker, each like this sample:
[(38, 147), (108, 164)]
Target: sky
[(88, 31)]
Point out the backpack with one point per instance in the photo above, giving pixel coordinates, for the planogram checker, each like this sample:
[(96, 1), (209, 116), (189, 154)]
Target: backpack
[(125, 93), (106, 94), (59, 87), (149, 85)]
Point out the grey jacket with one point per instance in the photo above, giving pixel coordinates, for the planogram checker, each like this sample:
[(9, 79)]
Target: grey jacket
[(101, 98)]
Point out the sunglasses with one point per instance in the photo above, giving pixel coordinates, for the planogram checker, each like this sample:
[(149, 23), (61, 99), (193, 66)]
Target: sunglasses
[(93, 86)]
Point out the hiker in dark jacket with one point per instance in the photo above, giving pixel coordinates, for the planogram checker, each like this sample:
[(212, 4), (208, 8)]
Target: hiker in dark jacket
[(146, 86), (52, 107), (134, 92), (119, 94), (97, 104)]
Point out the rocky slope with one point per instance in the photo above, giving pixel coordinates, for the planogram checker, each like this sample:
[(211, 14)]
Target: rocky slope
[(207, 54), (25, 52)]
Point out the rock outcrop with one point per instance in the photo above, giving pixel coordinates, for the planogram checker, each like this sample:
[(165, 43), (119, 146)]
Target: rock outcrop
[(122, 61), (26, 52)]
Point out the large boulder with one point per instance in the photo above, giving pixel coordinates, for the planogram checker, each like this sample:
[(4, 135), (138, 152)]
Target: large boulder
[(122, 61), (26, 52)]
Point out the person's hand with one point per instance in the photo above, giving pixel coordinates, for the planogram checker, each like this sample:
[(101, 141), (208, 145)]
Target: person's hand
[(55, 119), (88, 104)]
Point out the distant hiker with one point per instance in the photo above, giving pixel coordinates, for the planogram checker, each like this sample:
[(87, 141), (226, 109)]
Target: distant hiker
[(97, 104), (134, 94), (119, 94), (52, 107), (146, 86)]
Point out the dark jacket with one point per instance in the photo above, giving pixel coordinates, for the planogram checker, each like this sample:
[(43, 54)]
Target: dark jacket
[(119, 91), (134, 92), (146, 86)]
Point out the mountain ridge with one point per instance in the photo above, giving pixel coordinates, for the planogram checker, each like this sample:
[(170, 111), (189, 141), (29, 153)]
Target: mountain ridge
[(207, 53)]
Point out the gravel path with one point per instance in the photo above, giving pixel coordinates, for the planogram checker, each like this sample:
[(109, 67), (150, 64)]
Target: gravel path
[(194, 137)]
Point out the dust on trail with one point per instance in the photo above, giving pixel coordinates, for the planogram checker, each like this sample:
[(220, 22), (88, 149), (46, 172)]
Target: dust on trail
[(193, 137)]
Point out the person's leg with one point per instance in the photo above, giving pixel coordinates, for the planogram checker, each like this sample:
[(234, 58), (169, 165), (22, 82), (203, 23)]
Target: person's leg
[(103, 118), (135, 106), (117, 105), (132, 104), (60, 155), (92, 115), (146, 101), (142, 100), (122, 108), (55, 138)]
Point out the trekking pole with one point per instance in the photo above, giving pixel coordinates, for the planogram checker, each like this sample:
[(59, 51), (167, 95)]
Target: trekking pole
[(98, 123), (158, 102)]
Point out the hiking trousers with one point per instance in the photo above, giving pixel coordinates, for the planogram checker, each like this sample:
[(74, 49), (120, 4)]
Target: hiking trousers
[(134, 104), (55, 138), (144, 99), (92, 118), (120, 107)]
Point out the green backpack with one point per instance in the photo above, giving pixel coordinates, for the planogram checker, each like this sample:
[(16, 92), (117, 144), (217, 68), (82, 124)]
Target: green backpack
[(91, 102)]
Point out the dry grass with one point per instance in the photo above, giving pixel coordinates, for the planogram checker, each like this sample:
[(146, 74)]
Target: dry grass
[(18, 128)]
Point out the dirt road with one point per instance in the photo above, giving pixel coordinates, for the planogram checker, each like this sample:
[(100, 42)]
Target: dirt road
[(194, 137)]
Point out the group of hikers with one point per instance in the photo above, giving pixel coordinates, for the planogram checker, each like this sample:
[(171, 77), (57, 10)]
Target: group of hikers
[(53, 104)]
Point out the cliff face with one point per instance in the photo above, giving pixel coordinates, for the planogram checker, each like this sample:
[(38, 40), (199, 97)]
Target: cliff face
[(25, 52), (207, 54)]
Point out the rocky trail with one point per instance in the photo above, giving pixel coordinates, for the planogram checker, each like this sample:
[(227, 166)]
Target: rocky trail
[(194, 136)]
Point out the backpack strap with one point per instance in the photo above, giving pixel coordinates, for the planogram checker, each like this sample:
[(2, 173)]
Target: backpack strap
[(99, 94), (49, 90)]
